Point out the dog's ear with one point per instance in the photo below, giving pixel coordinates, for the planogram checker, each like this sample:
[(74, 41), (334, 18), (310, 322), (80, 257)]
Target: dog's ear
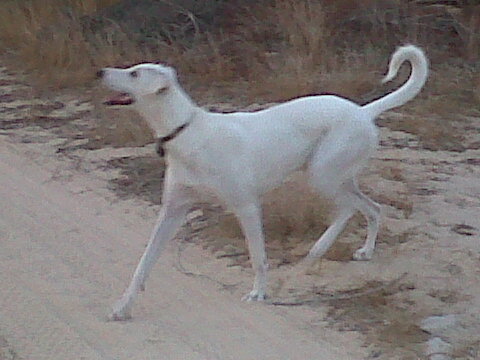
[(169, 78), (171, 73)]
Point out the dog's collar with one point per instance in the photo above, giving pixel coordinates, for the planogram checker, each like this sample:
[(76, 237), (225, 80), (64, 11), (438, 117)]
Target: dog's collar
[(162, 140)]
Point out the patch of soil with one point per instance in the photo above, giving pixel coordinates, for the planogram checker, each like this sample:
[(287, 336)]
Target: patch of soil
[(375, 310), (139, 177), (447, 296), (340, 251), (285, 244)]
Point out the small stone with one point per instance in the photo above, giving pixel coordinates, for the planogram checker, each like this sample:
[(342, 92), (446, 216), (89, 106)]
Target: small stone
[(375, 354), (437, 349), (438, 324), (57, 142), (78, 142), (195, 214), (199, 225), (220, 254)]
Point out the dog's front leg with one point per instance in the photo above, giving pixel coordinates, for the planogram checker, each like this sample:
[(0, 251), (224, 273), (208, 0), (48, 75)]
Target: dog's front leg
[(250, 218), (172, 215)]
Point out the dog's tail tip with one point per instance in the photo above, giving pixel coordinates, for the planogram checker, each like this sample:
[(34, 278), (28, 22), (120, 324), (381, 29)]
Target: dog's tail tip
[(389, 77), (402, 53), (419, 73)]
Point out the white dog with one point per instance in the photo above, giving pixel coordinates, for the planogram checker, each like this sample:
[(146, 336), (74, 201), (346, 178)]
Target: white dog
[(239, 156)]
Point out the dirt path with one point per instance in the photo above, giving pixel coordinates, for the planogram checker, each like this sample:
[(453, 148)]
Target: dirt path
[(66, 256)]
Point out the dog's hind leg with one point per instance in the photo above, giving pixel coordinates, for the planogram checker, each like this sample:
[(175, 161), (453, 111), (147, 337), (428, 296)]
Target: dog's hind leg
[(332, 170), (344, 201), (350, 200), (173, 212), (250, 218), (328, 237), (371, 210)]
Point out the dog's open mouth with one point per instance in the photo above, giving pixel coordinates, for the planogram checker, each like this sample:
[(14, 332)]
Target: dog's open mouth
[(120, 100)]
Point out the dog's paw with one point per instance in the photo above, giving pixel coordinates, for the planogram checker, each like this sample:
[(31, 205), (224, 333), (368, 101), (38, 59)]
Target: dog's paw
[(119, 315), (120, 312), (254, 295), (363, 254)]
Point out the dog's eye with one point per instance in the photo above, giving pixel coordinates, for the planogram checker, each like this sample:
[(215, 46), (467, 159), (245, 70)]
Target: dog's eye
[(134, 74)]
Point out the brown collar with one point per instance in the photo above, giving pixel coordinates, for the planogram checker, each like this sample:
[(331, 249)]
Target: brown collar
[(162, 140)]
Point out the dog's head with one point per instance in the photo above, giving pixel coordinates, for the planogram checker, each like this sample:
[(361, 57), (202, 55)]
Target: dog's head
[(137, 82)]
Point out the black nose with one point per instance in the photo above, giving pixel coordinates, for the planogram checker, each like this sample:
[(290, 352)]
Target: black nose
[(100, 74)]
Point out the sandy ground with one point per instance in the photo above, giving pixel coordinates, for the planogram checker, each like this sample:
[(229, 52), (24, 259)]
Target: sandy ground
[(75, 221)]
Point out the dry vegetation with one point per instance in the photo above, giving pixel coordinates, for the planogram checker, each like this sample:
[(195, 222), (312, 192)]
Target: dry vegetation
[(267, 50), (47, 38)]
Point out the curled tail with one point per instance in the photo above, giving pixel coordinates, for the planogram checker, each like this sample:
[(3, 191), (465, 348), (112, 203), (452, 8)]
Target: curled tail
[(407, 91)]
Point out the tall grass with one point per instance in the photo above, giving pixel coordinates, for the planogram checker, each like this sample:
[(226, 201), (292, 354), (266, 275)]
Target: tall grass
[(303, 50), (48, 38), (272, 49)]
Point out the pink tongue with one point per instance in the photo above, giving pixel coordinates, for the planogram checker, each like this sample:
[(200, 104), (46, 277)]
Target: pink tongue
[(120, 99)]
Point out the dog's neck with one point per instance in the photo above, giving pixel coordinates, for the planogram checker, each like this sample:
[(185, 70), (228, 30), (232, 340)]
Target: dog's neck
[(167, 111)]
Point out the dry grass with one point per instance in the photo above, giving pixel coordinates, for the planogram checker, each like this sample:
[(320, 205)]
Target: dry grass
[(139, 177), (49, 39), (303, 50), (284, 49), (267, 51), (291, 211)]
